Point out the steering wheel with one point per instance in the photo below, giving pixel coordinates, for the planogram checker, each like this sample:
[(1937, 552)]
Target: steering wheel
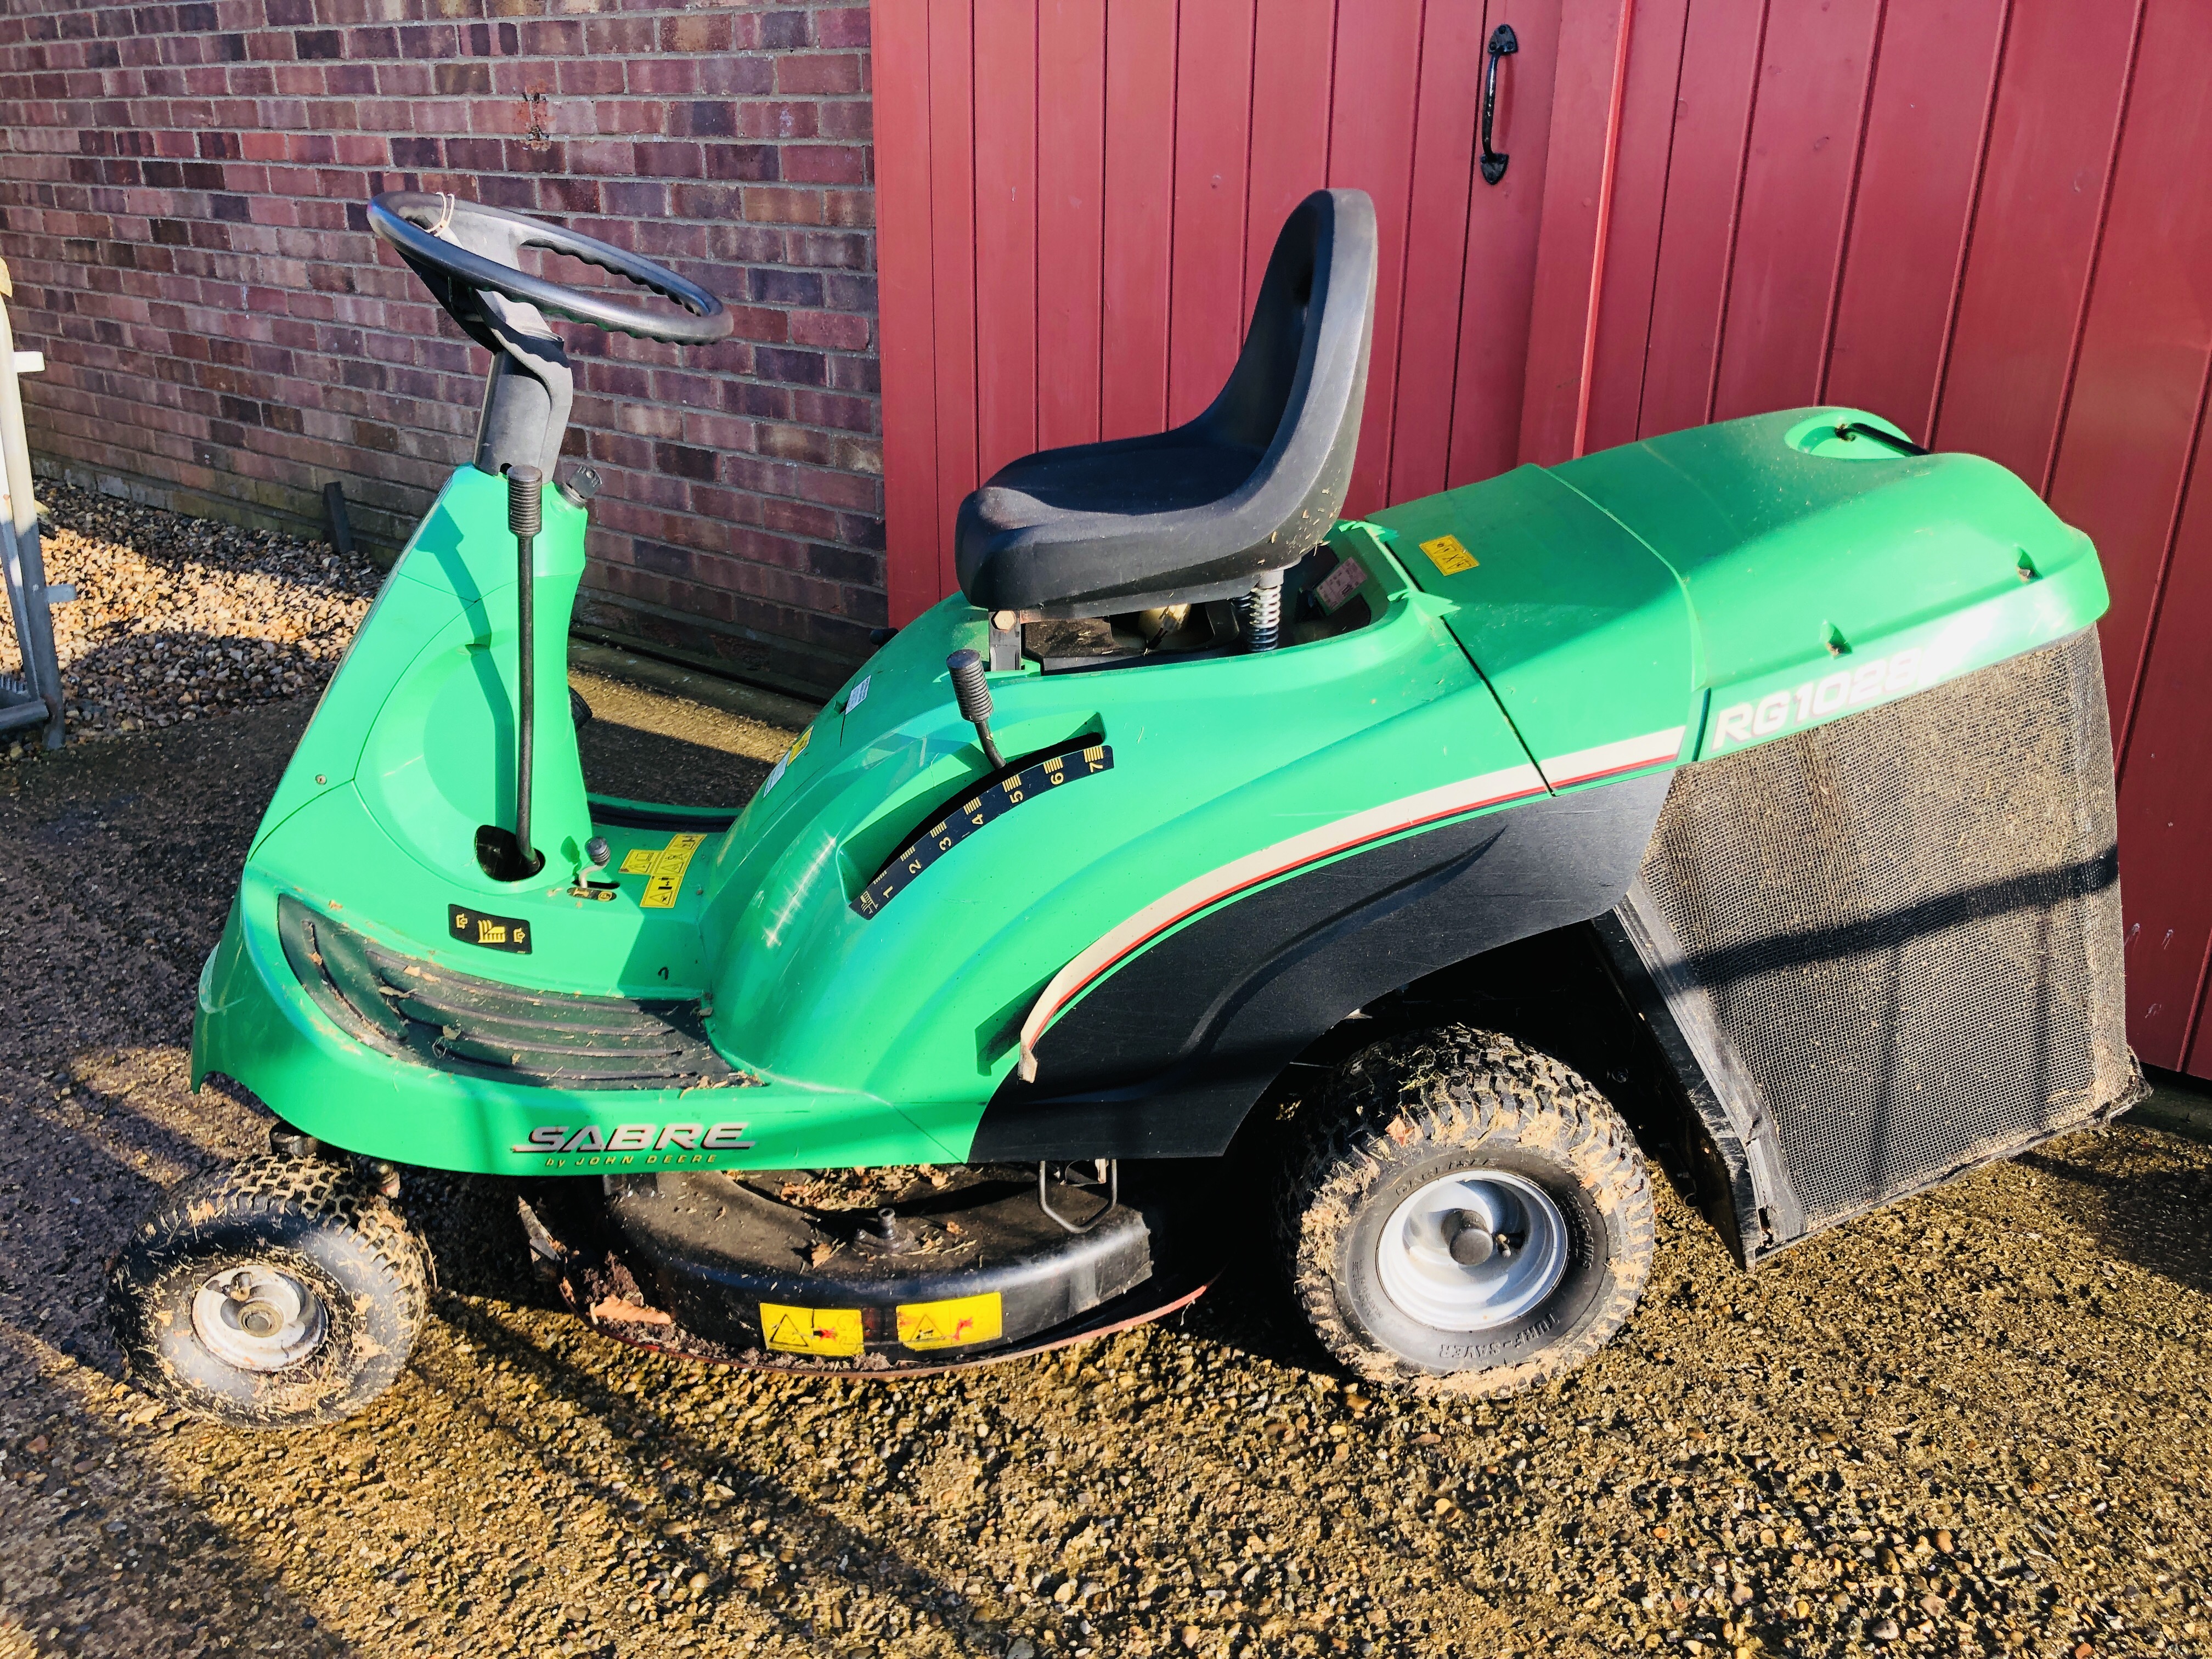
[(459, 246)]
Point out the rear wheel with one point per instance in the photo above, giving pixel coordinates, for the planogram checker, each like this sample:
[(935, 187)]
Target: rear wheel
[(280, 1291), (1467, 1215)]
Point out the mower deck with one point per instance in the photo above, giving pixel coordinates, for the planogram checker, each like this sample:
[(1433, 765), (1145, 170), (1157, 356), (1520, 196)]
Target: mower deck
[(806, 1272)]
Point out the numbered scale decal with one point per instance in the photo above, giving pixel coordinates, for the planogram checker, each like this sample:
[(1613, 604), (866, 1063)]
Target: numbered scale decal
[(973, 814)]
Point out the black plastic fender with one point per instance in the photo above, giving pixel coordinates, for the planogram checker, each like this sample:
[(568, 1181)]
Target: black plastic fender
[(1164, 1057)]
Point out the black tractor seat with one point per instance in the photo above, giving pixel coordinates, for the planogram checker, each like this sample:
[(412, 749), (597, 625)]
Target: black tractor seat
[(1198, 513)]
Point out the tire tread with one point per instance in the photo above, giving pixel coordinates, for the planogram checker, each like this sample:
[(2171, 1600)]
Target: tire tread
[(257, 1194), (1456, 1086)]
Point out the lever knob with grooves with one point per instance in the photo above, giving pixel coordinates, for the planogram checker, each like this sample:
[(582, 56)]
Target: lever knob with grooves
[(974, 696), (970, 686), (526, 499)]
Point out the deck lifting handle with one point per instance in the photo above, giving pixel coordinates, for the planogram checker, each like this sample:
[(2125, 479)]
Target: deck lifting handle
[(1502, 44), (507, 855), (525, 517)]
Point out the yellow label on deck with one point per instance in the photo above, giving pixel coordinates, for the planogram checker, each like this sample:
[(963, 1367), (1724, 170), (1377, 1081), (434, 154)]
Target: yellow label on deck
[(833, 1332), (669, 865), (1448, 555), (638, 861), (952, 1324)]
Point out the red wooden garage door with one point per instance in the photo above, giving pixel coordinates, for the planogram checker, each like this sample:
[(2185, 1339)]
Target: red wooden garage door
[(1076, 198), (1985, 219)]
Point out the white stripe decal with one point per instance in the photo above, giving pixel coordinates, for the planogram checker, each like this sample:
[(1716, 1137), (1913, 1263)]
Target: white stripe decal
[(1608, 758), (1492, 788)]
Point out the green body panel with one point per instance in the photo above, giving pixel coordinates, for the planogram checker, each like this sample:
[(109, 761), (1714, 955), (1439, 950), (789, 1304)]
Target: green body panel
[(1654, 603), (412, 748), (1212, 759), (256, 1024), (1693, 580), (873, 1040), (436, 652), (1581, 630)]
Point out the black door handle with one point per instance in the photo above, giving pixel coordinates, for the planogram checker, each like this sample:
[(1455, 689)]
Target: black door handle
[(1502, 44)]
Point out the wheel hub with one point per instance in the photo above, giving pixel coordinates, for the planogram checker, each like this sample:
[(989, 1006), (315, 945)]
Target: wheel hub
[(1473, 1250), (258, 1318)]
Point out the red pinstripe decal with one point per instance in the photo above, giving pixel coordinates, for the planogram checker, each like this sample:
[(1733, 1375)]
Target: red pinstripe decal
[(1117, 944)]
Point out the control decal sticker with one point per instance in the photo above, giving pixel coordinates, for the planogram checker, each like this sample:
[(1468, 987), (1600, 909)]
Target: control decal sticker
[(669, 865), (1341, 584), (1449, 555), (973, 814), (473, 927), (797, 748)]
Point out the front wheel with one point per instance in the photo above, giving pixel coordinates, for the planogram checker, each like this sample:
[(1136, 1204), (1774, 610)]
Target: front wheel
[(1467, 1215), (278, 1292)]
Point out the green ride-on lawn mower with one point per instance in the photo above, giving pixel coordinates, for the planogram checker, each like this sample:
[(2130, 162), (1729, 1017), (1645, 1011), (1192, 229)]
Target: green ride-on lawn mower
[(1745, 791)]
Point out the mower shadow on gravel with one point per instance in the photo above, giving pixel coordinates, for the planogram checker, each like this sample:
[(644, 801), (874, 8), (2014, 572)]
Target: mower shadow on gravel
[(2142, 1208), (107, 1188), (640, 765), (131, 1135), (822, 1537), (190, 1577), (96, 1501), (477, 1245), (1251, 1309)]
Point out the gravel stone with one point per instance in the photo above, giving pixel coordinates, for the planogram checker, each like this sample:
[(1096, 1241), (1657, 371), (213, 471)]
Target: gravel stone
[(179, 619), (2006, 1386)]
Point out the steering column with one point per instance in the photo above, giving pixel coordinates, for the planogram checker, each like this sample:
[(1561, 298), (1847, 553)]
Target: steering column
[(467, 255)]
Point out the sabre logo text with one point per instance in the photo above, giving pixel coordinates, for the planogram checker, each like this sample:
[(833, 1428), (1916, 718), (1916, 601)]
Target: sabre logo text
[(561, 1138), (1778, 711)]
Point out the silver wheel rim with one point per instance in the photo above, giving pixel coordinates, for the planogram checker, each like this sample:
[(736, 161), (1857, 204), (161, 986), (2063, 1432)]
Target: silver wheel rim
[(1526, 1258), (258, 1318)]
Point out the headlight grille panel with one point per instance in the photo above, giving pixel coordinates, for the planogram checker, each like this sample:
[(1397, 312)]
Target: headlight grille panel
[(413, 1009)]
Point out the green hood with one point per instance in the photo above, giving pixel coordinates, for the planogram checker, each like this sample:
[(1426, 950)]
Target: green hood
[(1729, 584)]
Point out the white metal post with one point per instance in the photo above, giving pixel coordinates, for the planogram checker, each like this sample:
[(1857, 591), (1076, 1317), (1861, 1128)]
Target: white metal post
[(40, 698)]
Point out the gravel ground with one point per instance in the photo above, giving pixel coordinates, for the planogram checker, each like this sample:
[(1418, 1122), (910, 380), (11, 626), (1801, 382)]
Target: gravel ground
[(1980, 1422), (178, 618), (647, 746)]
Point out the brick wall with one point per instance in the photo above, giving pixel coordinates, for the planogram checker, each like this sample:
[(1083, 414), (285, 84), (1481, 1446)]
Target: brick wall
[(181, 192)]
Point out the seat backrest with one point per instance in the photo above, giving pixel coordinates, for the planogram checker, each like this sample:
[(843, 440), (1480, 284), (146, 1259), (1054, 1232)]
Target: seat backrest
[(1301, 376), (1251, 485)]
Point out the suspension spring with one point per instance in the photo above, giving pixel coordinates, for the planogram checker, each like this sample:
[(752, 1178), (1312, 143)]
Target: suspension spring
[(1261, 612)]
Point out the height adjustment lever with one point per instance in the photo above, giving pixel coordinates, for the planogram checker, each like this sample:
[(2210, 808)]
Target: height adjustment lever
[(525, 517), (507, 855), (975, 696)]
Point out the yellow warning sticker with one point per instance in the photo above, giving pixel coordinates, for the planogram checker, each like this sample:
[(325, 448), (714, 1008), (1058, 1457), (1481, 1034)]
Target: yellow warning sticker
[(797, 748), (951, 1324), (668, 866), (638, 861), (834, 1332), (1448, 555)]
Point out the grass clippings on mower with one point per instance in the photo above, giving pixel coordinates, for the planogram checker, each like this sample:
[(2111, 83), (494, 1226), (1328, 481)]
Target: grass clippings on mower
[(860, 1189)]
